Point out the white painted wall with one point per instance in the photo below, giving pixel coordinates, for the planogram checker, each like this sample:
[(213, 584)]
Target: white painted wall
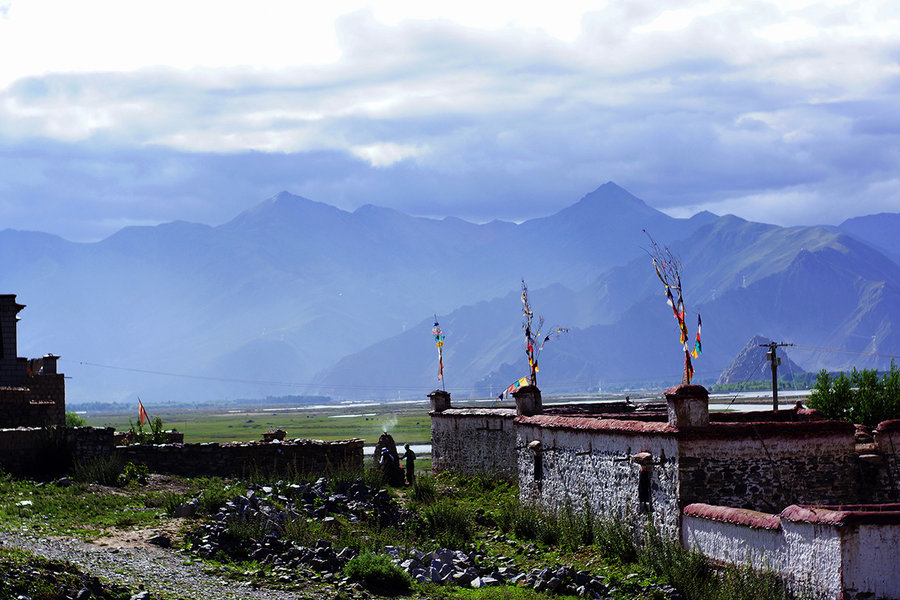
[(872, 560), (584, 465), (835, 562)]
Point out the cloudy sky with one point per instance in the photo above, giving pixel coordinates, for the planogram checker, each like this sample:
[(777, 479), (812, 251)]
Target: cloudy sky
[(116, 113)]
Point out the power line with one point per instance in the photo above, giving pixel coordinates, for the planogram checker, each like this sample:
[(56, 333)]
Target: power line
[(821, 349)]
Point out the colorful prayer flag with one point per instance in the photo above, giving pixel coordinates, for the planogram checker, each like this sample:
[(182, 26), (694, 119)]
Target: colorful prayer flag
[(522, 381), (439, 344), (698, 347)]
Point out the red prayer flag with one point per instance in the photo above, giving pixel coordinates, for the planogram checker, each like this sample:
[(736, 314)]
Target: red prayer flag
[(142, 414)]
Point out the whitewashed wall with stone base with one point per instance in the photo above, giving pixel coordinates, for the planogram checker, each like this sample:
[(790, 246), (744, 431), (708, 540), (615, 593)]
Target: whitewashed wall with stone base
[(597, 467), (832, 561), (474, 441)]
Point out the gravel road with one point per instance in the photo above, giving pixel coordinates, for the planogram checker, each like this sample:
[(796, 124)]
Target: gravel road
[(164, 573)]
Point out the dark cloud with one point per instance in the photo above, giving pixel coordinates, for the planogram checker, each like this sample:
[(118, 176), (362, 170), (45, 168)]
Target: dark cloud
[(436, 119)]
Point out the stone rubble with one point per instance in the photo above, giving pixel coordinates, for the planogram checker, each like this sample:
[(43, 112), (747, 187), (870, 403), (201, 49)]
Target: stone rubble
[(357, 501)]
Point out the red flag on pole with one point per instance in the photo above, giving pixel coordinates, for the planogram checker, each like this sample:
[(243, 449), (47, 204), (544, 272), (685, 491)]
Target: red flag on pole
[(142, 414)]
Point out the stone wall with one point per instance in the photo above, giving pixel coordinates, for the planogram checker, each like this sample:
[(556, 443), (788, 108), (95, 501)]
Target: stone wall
[(825, 552), (766, 466), (886, 480), (300, 457), (46, 452), (474, 440), (599, 461), (40, 403)]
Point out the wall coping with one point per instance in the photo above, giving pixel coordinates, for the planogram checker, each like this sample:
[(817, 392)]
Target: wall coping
[(834, 515), (288, 442), (719, 431), (839, 515), (891, 425), (595, 424), (476, 412), (737, 516)]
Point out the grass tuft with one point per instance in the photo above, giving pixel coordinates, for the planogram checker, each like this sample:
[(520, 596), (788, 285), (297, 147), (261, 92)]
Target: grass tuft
[(448, 523), (104, 470), (378, 573)]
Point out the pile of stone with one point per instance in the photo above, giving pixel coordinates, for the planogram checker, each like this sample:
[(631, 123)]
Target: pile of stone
[(260, 510), (357, 501), (447, 566)]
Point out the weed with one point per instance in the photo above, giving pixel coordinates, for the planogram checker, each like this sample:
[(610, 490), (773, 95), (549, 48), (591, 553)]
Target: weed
[(171, 501), (378, 573), (448, 523), (104, 470), (615, 539), (423, 490), (692, 575), (303, 532), (134, 475), (215, 494)]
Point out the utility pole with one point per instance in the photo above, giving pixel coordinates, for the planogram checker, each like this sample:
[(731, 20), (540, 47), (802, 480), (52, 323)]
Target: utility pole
[(774, 361)]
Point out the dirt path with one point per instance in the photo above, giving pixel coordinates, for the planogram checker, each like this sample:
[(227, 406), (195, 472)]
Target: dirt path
[(138, 565)]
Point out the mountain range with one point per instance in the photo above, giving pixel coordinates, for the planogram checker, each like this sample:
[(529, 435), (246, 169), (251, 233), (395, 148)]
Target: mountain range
[(296, 297)]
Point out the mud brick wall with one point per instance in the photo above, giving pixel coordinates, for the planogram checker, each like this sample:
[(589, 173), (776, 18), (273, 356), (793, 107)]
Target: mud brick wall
[(41, 404), (474, 440), (46, 452), (241, 459), (767, 466)]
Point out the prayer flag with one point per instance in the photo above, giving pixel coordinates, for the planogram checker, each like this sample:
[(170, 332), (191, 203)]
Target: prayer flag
[(522, 381), (698, 347), (142, 414), (439, 344)]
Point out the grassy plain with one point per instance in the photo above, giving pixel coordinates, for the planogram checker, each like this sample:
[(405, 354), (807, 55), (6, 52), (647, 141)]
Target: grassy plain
[(406, 423)]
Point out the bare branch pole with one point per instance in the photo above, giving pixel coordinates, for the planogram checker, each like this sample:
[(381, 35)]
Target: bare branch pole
[(534, 343), (668, 268)]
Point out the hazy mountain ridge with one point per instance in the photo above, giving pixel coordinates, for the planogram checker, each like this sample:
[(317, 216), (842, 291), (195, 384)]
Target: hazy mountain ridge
[(294, 287), (808, 285)]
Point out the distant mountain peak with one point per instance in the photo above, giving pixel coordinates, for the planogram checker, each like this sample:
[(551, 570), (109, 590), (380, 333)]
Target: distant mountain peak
[(611, 200), (751, 363), (284, 207)]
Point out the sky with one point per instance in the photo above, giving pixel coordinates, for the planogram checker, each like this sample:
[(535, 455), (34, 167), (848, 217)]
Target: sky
[(134, 113)]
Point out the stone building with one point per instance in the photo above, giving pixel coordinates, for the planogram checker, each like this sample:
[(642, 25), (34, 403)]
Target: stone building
[(660, 465), (32, 393)]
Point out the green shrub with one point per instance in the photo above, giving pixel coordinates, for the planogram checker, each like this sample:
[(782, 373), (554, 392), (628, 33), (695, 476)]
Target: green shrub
[(156, 435), (378, 573), (134, 475), (862, 397), (104, 470), (73, 420)]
